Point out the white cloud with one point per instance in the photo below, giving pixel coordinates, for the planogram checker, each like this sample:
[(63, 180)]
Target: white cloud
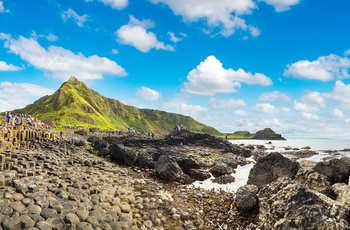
[(210, 78), (135, 34), (310, 116), (281, 5), (340, 93), (175, 39), (179, 106), (266, 108), (71, 14), (347, 52), (274, 96), (18, 95), (325, 68), (225, 104), (310, 102), (8, 67), (2, 8), (241, 112), (114, 51), (148, 94), (60, 63), (115, 4), (50, 37), (222, 15), (338, 113)]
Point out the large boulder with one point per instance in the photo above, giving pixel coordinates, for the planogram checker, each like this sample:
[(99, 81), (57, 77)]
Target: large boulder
[(187, 163), (123, 154), (167, 168), (145, 160), (99, 144), (271, 167), (337, 170), (314, 181), (199, 174), (342, 194), (220, 169), (247, 200), (287, 204)]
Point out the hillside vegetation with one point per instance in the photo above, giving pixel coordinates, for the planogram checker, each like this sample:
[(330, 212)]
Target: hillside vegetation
[(74, 104), (264, 134)]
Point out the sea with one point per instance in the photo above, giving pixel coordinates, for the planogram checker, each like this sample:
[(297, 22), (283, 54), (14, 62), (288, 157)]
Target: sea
[(324, 148)]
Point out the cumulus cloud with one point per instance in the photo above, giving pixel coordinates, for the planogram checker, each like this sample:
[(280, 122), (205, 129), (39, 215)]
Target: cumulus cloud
[(346, 53), (71, 14), (341, 94), (310, 102), (338, 113), (61, 63), (115, 4), (274, 96), (18, 95), (240, 112), (2, 8), (325, 68), (135, 34), (266, 108), (222, 15), (179, 106), (281, 5), (8, 67), (148, 94), (226, 104), (114, 51), (50, 37), (175, 39), (210, 78), (310, 116)]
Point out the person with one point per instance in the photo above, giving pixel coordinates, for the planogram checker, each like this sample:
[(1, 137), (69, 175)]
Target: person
[(61, 134)]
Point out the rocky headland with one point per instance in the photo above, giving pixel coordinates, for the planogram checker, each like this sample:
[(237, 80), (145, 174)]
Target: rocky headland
[(101, 180)]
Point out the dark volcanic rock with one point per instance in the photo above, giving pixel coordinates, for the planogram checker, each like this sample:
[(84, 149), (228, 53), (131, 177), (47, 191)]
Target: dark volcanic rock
[(286, 204), (336, 170), (187, 163), (103, 152), (271, 167), (167, 168), (224, 179), (199, 174), (247, 199), (220, 169), (314, 181), (123, 154), (145, 160)]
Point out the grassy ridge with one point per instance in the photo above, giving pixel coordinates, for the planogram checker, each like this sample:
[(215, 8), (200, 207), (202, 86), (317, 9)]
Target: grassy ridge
[(264, 134), (75, 104)]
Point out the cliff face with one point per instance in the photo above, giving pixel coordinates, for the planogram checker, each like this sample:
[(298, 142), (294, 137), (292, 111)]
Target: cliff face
[(75, 104)]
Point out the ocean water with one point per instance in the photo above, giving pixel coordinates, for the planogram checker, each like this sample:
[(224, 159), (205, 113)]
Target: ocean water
[(324, 148)]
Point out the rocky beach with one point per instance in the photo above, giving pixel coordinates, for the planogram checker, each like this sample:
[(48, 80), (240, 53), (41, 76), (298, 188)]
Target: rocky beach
[(100, 180)]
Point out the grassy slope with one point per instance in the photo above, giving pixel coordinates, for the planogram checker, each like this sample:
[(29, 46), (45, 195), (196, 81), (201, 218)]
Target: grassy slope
[(75, 104)]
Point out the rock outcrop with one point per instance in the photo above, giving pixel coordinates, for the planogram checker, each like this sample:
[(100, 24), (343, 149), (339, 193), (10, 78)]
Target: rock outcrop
[(270, 168)]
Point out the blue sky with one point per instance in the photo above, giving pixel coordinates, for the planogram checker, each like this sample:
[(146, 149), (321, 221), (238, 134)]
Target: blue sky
[(231, 64)]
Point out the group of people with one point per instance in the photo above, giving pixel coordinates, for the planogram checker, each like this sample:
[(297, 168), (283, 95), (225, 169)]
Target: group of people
[(132, 133), (20, 118)]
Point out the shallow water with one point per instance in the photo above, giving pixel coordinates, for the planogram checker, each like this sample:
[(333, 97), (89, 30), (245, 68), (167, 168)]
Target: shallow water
[(318, 145)]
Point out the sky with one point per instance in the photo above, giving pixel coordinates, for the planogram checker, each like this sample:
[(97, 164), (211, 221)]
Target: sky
[(231, 64)]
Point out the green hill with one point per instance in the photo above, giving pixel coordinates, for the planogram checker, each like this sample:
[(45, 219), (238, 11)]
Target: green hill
[(75, 104), (264, 134)]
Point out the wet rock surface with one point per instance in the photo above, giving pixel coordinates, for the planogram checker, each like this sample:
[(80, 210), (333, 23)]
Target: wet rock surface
[(62, 185)]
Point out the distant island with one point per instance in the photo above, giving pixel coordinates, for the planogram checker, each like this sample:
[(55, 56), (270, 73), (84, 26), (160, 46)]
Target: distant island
[(265, 134)]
